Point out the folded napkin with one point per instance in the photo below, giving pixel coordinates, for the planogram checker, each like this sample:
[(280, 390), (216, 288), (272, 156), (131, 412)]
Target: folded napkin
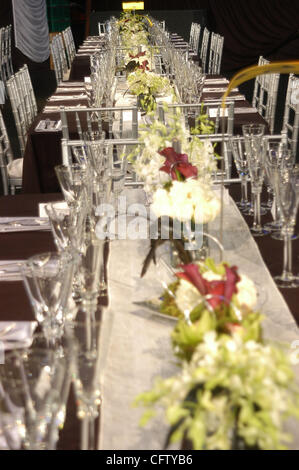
[(68, 97), (56, 109), (46, 125), (15, 168), (215, 81), (245, 110), (23, 224), (70, 89), (216, 90), (71, 84), (58, 205), (17, 334), (230, 98), (10, 270)]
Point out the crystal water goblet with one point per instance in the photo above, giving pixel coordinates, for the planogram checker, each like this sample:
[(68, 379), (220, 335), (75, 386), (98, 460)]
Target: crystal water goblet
[(90, 270), (238, 150), (32, 380), (286, 188), (48, 280), (74, 181), (83, 336), (255, 150)]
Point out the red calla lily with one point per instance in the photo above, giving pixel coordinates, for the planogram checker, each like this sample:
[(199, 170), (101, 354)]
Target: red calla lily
[(177, 163), (217, 292)]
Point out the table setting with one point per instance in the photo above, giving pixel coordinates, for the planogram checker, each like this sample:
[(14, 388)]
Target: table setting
[(138, 311)]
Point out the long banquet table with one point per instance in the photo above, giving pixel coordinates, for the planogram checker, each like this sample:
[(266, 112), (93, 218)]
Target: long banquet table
[(138, 347), (43, 149)]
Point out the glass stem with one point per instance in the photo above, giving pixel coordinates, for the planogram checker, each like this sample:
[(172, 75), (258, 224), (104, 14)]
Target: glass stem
[(244, 193), (258, 209), (270, 197), (287, 255)]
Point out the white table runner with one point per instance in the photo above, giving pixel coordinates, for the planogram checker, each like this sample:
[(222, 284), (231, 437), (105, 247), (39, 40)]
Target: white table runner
[(140, 347)]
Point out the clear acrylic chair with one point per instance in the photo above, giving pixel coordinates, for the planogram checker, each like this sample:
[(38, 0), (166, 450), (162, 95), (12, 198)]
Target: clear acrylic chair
[(23, 103), (5, 53), (194, 37), (11, 170), (100, 120), (59, 58), (203, 53), (69, 44), (265, 94), (215, 55), (25, 89), (189, 112), (290, 126)]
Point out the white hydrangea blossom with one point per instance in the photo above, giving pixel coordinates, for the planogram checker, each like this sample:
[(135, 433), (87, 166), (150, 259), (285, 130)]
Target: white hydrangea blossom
[(186, 201)]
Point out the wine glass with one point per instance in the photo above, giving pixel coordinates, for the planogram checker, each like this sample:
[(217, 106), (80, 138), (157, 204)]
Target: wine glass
[(83, 336), (238, 150), (118, 176), (74, 181), (32, 379), (286, 188), (48, 279), (90, 271), (255, 150)]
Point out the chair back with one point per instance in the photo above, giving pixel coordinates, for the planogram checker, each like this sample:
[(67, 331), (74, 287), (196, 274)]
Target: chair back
[(203, 53), (265, 94), (215, 56), (6, 158)]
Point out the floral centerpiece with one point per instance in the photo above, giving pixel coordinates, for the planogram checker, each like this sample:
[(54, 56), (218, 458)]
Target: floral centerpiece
[(147, 85), (232, 391), (184, 198), (231, 395)]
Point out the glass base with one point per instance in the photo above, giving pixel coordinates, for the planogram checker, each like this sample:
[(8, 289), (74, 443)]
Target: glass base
[(244, 207), (259, 232), (250, 211), (287, 282), (273, 226), (278, 236)]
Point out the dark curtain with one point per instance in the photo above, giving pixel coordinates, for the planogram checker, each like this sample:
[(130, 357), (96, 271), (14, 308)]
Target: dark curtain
[(256, 27), (250, 27)]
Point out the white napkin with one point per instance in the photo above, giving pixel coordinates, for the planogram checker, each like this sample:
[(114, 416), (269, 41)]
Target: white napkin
[(18, 336), (58, 205), (22, 224), (67, 97), (245, 110)]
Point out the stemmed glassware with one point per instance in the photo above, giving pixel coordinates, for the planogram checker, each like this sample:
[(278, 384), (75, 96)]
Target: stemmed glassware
[(286, 188), (74, 181), (118, 176), (32, 381), (90, 272), (238, 149), (83, 336), (48, 279), (255, 150)]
